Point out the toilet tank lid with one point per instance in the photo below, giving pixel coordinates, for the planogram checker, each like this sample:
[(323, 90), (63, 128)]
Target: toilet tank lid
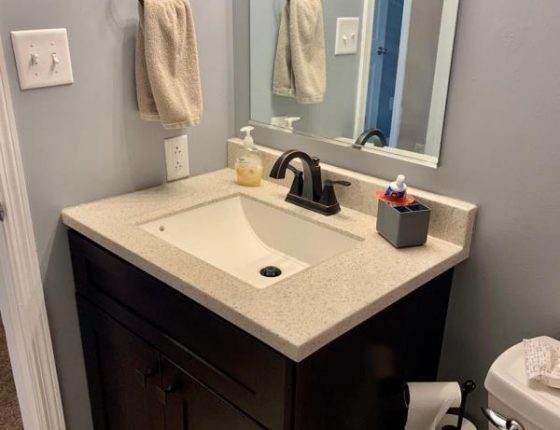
[(507, 382)]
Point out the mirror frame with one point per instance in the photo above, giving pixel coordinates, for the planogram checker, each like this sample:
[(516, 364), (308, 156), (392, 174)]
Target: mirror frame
[(279, 138)]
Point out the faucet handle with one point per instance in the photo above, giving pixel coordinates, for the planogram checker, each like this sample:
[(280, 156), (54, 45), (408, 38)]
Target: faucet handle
[(297, 183), (293, 169), (328, 198), (341, 183)]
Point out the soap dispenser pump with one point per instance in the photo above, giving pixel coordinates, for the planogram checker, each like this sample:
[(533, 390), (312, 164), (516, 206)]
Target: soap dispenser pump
[(249, 166)]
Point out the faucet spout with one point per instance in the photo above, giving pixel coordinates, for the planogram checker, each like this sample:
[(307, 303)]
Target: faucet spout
[(307, 191), (368, 134), (312, 183)]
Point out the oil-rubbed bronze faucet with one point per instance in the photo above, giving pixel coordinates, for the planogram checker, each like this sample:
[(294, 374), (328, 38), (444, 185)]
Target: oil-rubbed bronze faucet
[(307, 188), (368, 134)]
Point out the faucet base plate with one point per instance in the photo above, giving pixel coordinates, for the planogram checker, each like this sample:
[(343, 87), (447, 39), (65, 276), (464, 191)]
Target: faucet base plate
[(327, 210)]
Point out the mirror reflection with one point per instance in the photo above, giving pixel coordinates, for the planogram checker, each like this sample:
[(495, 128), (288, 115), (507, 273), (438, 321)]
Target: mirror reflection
[(367, 73)]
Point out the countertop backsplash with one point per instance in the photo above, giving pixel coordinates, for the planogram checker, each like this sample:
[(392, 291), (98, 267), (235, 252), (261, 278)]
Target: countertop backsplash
[(452, 220)]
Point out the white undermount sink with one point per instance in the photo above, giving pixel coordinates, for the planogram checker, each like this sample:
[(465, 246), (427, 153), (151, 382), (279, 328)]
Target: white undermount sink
[(241, 236)]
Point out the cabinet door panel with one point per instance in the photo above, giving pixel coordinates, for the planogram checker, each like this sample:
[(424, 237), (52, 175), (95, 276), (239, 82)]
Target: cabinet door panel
[(191, 406), (238, 367), (123, 374)]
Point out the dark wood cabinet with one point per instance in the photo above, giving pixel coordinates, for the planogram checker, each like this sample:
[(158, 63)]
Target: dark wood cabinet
[(157, 360), (123, 373), (190, 406), (134, 387)]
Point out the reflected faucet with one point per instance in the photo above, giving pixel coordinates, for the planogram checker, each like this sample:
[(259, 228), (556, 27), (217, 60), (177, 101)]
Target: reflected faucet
[(307, 188), (368, 134)]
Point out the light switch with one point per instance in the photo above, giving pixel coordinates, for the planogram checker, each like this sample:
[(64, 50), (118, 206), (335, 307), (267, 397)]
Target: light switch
[(42, 58), (347, 36)]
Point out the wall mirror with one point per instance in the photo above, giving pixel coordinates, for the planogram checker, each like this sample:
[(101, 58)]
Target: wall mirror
[(333, 69)]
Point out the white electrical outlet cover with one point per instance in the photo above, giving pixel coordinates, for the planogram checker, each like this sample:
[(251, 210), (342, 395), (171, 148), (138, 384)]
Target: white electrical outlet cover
[(42, 58), (177, 157), (347, 35)]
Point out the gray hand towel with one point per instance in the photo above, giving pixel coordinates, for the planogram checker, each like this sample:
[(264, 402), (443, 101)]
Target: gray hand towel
[(167, 73), (300, 69)]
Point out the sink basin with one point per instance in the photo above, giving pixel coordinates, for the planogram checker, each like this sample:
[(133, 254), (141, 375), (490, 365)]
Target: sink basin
[(242, 236)]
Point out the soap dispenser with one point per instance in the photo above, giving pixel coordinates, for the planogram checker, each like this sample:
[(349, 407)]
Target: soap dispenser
[(290, 122), (249, 166)]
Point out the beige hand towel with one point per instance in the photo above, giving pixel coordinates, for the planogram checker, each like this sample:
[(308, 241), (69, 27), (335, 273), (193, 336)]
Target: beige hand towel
[(167, 74), (300, 69)]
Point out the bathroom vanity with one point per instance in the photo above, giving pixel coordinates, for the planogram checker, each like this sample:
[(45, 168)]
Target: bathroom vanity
[(205, 305), (158, 360), (174, 341)]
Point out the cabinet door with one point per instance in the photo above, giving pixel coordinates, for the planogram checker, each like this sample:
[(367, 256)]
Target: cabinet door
[(123, 373), (191, 406)]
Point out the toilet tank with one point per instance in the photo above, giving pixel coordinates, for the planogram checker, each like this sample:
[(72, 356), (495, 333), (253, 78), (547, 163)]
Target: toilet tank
[(510, 394)]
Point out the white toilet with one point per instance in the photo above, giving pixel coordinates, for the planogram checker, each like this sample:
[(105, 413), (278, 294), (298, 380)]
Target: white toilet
[(511, 397)]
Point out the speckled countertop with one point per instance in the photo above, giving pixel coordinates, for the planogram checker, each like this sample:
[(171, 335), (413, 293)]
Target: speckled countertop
[(296, 316)]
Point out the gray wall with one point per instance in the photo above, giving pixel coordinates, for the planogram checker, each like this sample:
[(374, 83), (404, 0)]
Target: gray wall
[(500, 150), (85, 141), (334, 117)]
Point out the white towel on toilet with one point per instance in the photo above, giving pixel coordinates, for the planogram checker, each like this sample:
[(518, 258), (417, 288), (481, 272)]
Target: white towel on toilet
[(542, 361)]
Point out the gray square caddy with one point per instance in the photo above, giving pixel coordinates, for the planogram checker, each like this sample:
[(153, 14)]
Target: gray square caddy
[(403, 226)]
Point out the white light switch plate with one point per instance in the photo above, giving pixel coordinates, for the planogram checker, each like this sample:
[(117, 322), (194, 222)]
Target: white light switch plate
[(42, 58), (177, 157), (347, 36)]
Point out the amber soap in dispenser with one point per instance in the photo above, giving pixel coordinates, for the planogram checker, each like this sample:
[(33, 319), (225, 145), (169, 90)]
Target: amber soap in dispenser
[(249, 166)]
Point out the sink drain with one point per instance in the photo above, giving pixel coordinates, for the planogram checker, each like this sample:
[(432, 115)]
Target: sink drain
[(271, 272)]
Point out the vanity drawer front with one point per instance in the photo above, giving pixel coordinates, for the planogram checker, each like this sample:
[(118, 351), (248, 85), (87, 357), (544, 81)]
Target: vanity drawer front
[(236, 365)]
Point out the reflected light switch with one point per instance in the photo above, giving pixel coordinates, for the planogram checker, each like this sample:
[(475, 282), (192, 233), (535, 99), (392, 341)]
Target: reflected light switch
[(347, 36), (42, 58)]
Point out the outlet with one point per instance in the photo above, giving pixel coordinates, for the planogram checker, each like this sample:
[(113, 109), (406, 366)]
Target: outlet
[(177, 157)]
